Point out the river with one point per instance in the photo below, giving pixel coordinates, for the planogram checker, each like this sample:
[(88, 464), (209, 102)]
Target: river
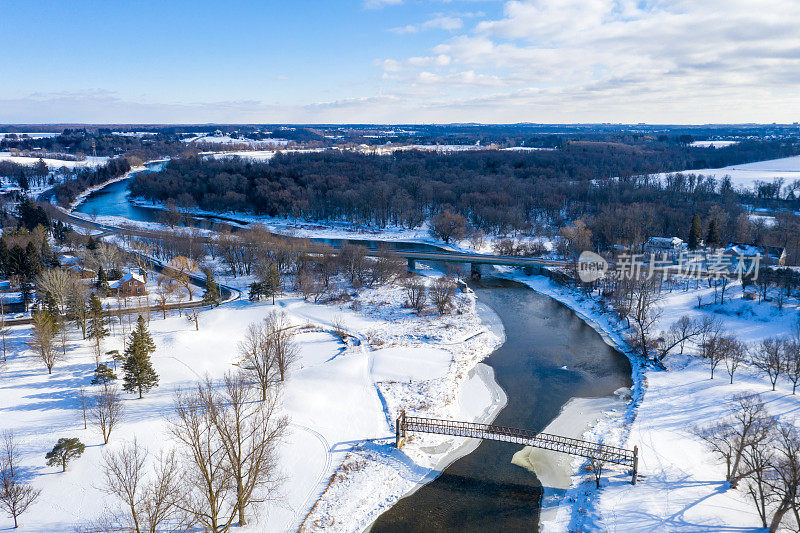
[(549, 357)]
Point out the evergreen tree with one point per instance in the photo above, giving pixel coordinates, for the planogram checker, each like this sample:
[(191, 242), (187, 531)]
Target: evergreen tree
[(212, 293), (102, 280), (694, 232), (64, 451), (271, 286), (139, 374), (712, 239), (97, 322), (103, 375)]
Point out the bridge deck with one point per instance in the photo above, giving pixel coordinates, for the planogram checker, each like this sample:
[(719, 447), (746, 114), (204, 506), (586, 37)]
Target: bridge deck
[(581, 448)]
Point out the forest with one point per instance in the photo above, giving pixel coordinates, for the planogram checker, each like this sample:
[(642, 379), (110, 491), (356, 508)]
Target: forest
[(498, 192)]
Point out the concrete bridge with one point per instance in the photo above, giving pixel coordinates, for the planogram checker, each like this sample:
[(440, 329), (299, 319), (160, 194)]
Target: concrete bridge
[(529, 264)]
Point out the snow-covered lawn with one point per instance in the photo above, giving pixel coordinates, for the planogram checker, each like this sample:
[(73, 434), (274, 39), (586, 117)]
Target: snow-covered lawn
[(341, 397)]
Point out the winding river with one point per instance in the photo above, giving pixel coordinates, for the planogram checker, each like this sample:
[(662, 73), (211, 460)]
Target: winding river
[(550, 356)]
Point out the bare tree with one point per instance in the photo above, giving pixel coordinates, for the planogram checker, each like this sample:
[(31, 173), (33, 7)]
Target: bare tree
[(108, 410), (758, 457), (165, 288), (768, 357), (83, 401), (180, 270), (645, 312), (416, 293), (42, 335), (442, 292), (597, 470), (249, 432), (209, 488), (277, 330), (791, 362), (748, 424), (15, 495), (57, 283), (734, 354), (784, 483), (682, 330), (721, 348), (150, 502)]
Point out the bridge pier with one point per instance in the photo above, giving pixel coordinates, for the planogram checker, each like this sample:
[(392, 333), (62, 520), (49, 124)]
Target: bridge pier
[(475, 271), (412, 264)]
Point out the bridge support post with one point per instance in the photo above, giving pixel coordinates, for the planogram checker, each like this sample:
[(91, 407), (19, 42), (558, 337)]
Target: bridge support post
[(635, 464), (475, 271), (412, 264), (400, 430)]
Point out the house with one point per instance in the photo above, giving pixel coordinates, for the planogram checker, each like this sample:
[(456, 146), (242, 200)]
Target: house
[(129, 285), (769, 255), (81, 271), (661, 246)]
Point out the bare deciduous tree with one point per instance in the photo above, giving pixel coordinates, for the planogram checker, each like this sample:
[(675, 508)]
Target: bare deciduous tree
[(791, 362), (15, 495), (442, 292), (249, 432), (748, 424), (768, 357), (42, 335), (150, 501), (784, 483), (229, 447), (416, 293), (108, 410)]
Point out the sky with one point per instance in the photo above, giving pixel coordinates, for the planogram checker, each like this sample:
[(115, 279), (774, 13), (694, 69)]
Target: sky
[(400, 61)]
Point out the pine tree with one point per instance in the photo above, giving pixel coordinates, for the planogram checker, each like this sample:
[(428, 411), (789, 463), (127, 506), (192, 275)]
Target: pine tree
[(712, 239), (694, 232), (139, 374), (64, 451), (102, 280), (103, 375), (212, 294), (97, 322)]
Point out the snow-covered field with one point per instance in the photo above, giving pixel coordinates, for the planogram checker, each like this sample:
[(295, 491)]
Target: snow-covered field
[(90, 161), (748, 174), (712, 144), (225, 139), (341, 398)]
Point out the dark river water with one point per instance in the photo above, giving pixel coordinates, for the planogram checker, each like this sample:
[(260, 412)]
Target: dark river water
[(484, 491)]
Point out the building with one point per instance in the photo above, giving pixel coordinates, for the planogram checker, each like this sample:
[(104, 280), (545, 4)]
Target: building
[(769, 255), (129, 285), (672, 247)]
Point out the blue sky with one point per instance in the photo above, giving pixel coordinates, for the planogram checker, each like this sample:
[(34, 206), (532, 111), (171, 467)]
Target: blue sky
[(400, 61)]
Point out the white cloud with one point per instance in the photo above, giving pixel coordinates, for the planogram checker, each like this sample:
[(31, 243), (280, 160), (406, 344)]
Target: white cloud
[(440, 22), (662, 58)]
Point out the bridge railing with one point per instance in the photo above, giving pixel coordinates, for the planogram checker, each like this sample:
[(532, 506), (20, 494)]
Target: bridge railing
[(581, 448)]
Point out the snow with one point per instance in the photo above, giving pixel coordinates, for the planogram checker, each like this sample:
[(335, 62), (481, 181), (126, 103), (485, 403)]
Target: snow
[(90, 161), (225, 139), (341, 398), (681, 485), (748, 174), (713, 144)]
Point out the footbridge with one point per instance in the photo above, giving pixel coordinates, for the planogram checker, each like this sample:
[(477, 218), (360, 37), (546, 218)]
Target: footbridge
[(581, 448)]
